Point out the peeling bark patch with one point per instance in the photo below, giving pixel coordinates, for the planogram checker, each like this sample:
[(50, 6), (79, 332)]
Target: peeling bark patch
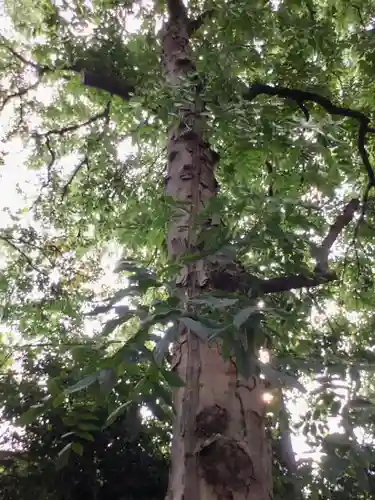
[(211, 420), (226, 466)]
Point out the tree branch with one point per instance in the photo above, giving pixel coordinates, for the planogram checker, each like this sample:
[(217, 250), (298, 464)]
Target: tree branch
[(322, 253), (110, 84), (23, 255), (72, 128), (195, 24), (177, 11), (82, 163), (302, 96), (322, 273)]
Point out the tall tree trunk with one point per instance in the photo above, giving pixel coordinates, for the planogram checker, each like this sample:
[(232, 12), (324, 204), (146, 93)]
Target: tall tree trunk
[(219, 449)]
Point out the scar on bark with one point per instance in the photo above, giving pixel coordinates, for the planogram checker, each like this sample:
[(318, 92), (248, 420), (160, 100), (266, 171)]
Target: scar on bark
[(226, 465), (211, 420)]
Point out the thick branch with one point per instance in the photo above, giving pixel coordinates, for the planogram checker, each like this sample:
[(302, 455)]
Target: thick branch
[(286, 283), (110, 84), (177, 11)]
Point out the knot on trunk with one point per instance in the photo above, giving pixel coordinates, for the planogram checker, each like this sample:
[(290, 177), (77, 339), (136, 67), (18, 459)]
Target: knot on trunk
[(226, 465), (210, 421)]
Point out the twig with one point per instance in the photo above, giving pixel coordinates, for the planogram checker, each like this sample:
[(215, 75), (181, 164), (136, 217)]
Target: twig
[(82, 163), (17, 55), (85, 160), (26, 257), (19, 94), (76, 126)]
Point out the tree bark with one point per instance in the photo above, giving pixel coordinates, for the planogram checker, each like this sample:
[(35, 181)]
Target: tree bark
[(219, 449)]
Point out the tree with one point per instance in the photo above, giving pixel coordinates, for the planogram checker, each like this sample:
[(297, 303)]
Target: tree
[(268, 111), (124, 460)]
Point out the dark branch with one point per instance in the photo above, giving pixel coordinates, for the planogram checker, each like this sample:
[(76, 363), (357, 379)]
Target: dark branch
[(195, 24), (20, 57), (322, 252), (23, 254), (177, 11), (19, 94), (81, 164), (286, 283), (270, 172), (301, 97), (322, 274), (72, 128), (109, 84)]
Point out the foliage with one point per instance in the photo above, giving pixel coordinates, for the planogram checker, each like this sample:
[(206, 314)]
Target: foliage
[(66, 452), (288, 167)]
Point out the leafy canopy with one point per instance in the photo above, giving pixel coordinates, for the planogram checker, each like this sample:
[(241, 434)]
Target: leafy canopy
[(94, 161)]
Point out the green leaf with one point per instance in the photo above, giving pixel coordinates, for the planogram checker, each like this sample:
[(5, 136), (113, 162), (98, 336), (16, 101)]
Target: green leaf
[(82, 384), (172, 379), (111, 325), (243, 315), (215, 302), (63, 456), (86, 426), (107, 380), (77, 448), (199, 329), (160, 317), (84, 435), (67, 434), (31, 414), (117, 412)]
